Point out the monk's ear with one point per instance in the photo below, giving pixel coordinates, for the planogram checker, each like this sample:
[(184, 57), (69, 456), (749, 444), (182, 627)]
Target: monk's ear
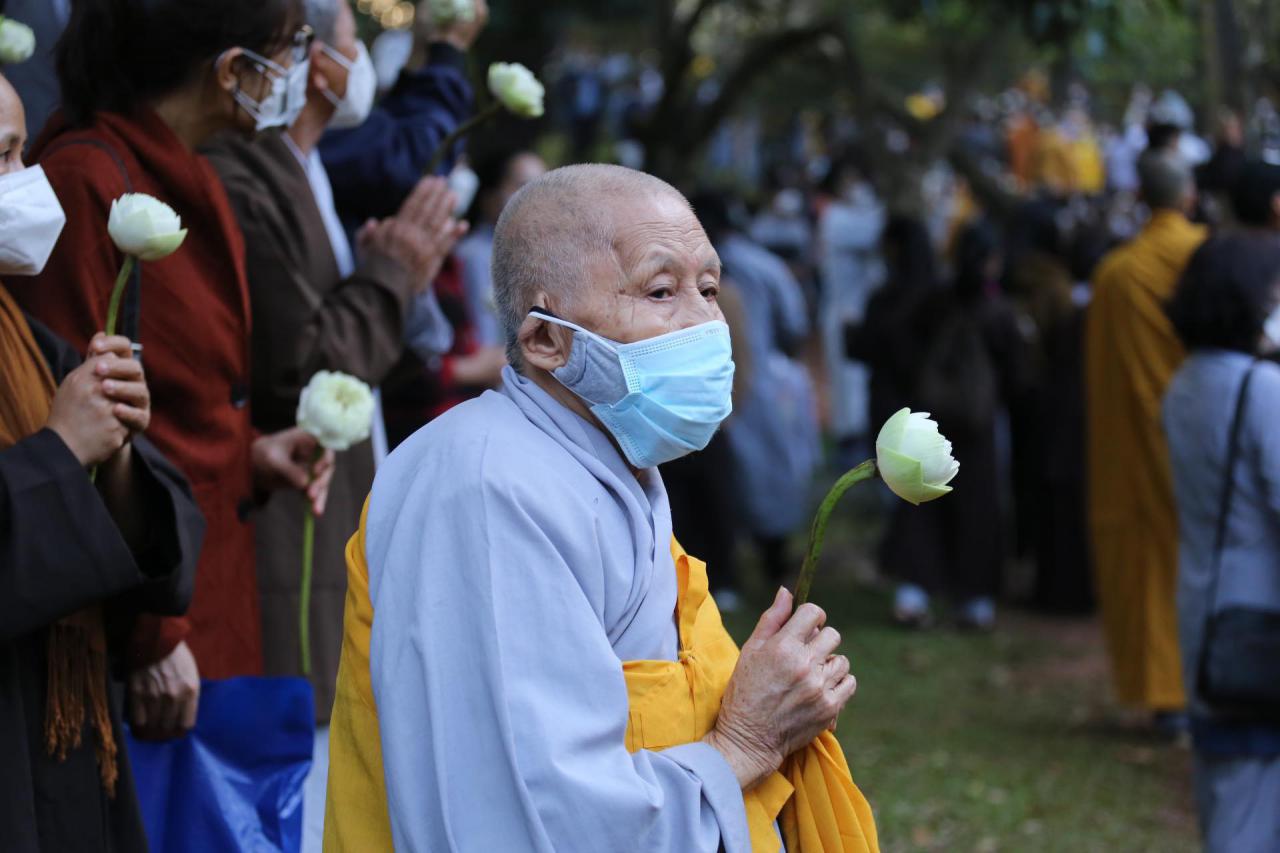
[(544, 345)]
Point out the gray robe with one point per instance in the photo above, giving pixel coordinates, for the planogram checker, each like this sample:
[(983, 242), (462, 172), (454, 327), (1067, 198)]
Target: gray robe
[(515, 561)]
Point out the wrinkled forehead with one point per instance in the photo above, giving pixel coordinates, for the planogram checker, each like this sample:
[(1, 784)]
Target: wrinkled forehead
[(658, 228)]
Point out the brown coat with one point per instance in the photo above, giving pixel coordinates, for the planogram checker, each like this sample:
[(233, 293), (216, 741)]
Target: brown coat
[(306, 318)]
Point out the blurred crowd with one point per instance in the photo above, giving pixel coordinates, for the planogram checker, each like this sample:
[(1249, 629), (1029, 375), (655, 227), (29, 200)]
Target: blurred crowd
[(1017, 285)]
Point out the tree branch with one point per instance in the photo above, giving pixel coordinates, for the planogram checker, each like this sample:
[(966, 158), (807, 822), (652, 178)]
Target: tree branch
[(759, 56)]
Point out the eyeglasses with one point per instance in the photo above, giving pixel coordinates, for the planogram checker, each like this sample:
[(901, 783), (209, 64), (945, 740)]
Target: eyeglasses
[(299, 50)]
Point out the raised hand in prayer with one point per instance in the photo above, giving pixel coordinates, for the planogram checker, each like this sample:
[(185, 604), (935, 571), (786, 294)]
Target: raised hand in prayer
[(421, 234), (291, 458), (164, 697), (102, 402), (788, 686)]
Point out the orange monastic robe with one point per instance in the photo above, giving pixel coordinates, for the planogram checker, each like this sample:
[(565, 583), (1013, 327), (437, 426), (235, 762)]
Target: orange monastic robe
[(1131, 353), (812, 798)]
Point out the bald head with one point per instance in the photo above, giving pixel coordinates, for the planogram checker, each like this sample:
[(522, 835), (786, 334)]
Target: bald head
[(559, 235), (1166, 180)]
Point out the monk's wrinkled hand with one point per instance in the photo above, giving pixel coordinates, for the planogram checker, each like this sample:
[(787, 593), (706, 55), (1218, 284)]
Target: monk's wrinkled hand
[(788, 687)]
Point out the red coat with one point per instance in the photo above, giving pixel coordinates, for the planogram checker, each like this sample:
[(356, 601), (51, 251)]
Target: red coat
[(194, 328)]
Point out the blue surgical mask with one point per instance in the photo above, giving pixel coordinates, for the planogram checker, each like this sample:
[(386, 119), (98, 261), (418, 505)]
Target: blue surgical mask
[(661, 398)]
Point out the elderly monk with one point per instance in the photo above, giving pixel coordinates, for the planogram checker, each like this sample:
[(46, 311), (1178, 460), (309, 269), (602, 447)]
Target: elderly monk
[(531, 662), (1131, 353)]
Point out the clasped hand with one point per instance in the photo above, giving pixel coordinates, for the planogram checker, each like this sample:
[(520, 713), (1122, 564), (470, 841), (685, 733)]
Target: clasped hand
[(789, 686)]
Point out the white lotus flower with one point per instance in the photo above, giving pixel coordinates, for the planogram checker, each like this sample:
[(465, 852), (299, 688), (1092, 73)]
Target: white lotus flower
[(337, 409), (17, 41), (445, 12), (915, 459), (145, 227), (516, 88)]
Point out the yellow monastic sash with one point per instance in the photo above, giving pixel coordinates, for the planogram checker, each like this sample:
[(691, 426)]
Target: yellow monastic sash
[(813, 799)]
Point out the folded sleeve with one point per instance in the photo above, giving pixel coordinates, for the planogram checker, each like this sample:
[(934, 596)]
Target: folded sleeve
[(62, 551), (502, 705)]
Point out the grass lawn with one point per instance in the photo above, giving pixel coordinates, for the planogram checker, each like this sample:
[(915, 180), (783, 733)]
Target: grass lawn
[(1006, 741)]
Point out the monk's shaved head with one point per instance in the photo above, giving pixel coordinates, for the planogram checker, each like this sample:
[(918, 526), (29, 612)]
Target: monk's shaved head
[(557, 234)]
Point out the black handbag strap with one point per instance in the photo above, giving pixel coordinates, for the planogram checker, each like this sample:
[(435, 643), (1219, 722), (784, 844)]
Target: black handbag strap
[(131, 304), (1228, 487)]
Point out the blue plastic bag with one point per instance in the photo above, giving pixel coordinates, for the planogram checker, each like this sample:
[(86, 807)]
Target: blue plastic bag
[(234, 783)]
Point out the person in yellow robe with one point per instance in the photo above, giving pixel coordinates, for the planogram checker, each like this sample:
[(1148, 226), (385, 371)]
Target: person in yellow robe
[(1131, 353), (530, 661)]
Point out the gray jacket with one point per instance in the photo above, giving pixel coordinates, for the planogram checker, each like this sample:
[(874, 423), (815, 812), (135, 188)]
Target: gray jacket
[(1198, 409)]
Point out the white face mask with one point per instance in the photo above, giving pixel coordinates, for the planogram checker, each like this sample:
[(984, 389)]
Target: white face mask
[(362, 84), (286, 99), (30, 221)]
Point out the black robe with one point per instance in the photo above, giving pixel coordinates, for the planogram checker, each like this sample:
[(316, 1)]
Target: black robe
[(60, 551)]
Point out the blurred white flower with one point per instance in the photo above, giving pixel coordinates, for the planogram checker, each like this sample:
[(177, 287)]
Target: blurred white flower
[(145, 227), (915, 459), (445, 12), (516, 88), (17, 41), (337, 409)]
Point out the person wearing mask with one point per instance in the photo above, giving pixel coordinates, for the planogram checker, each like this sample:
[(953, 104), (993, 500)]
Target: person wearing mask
[(316, 308), (501, 175), (376, 164), (523, 685), (1220, 415), (80, 555), (145, 83), (1131, 352)]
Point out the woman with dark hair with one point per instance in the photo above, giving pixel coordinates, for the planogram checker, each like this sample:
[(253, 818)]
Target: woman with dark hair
[(1220, 415), (144, 83)]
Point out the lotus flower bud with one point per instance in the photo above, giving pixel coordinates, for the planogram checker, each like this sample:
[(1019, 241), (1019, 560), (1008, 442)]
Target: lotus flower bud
[(516, 88), (17, 41), (337, 409), (145, 227), (915, 459)]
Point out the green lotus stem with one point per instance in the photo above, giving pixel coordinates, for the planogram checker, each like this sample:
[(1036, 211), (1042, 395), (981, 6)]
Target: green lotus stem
[(113, 314), (460, 131), (308, 557), (113, 307), (304, 610), (866, 471)]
